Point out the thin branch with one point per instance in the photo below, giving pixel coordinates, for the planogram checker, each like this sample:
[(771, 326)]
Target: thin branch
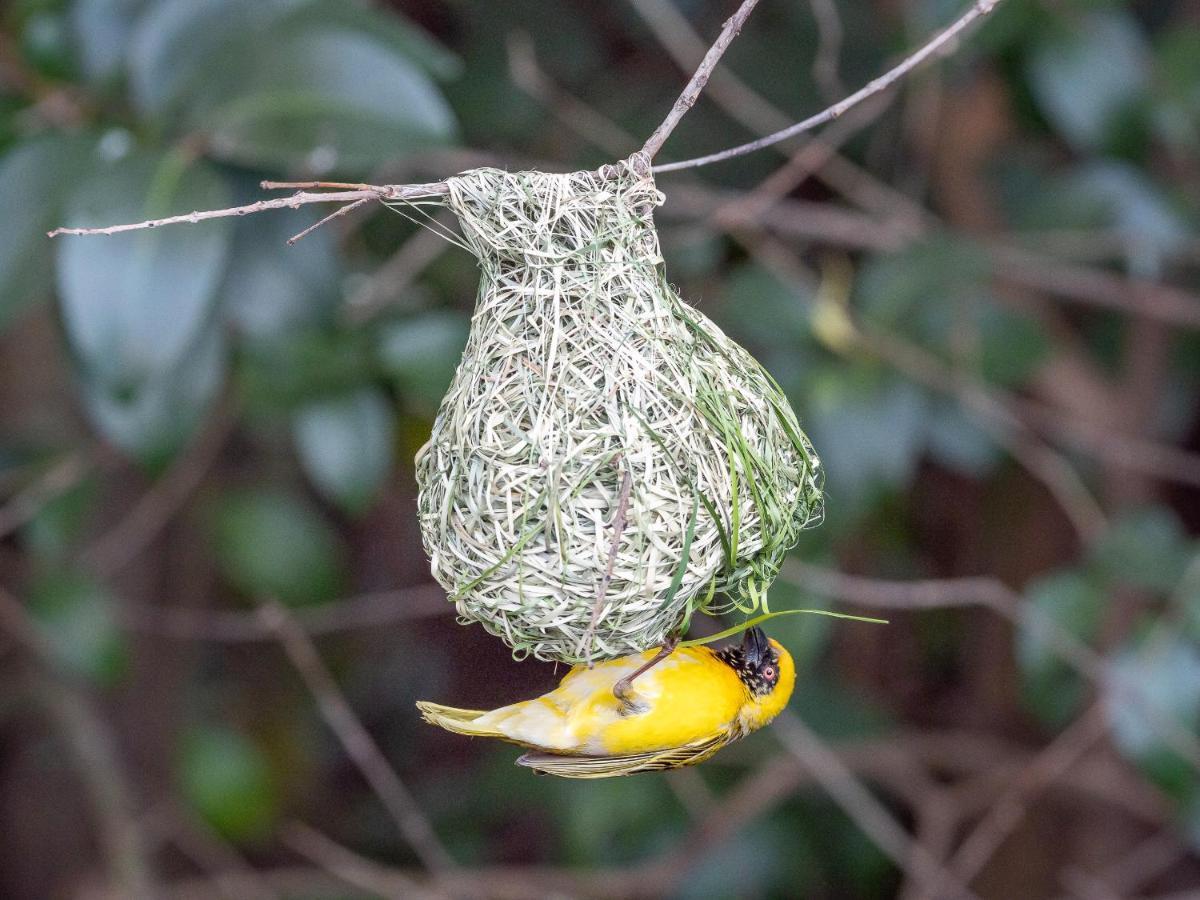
[(699, 79), (526, 74), (336, 214), (1060, 755), (363, 612), (355, 739), (121, 544), (394, 276), (298, 199), (991, 593), (92, 744), (938, 45), (231, 873), (346, 865), (63, 475), (865, 810), (829, 47)]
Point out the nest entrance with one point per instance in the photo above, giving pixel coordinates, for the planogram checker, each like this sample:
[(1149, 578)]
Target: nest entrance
[(604, 447)]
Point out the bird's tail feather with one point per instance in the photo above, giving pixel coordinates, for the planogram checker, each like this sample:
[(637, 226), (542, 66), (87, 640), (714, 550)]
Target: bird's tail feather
[(460, 721)]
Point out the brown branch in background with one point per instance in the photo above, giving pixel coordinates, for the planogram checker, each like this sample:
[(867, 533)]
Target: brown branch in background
[(829, 47), (232, 875), (362, 612), (833, 326), (691, 91), (393, 278), (938, 45), (1006, 813), (346, 865), (123, 542), (993, 594), (871, 816), (526, 74), (93, 746), (63, 475), (355, 739)]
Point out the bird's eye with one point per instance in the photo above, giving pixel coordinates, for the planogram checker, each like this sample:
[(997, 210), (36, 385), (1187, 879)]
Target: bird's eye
[(768, 673)]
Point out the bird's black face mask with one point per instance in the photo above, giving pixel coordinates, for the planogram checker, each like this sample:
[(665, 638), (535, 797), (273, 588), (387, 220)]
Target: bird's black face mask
[(756, 664)]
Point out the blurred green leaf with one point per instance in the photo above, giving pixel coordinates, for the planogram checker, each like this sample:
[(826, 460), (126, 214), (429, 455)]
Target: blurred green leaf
[(347, 446), (46, 44), (421, 353), (760, 309), (35, 177), (1052, 690), (272, 544), (135, 304), (1146, 548), (1158, 674), (319, 93), (298, 367), (875, 432), (959, 443), (176, 43), (154, 419), (759, 861), (79, 618), (101, 31), (1177, 88), (1088, 74), (229, 782), (52, 533), (919, 290), (272, 291)]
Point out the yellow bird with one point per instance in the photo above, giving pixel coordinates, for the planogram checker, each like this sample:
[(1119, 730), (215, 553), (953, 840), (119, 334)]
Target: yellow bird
[(679, 712)]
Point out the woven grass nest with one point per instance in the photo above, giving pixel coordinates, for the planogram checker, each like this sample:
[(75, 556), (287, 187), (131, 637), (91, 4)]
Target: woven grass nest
[(606, 461)]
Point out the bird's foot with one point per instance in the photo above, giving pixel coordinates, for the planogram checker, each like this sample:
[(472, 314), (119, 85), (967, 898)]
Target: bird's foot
[(623, 689)]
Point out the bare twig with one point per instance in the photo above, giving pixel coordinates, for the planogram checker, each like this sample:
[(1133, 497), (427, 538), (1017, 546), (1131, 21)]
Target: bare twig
[(829, 47), (336, 214), (348, 866), (937, 46), (699, 79), (865, 810), (359, 745), (526, 74), (392, 278), (121, 544), (362, 612), (58, 479), (93, 746), (993, 594), (1043, 770), (300, 198), (232, 875)]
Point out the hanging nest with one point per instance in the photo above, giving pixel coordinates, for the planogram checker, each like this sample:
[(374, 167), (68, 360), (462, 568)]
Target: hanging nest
[(606, 461)]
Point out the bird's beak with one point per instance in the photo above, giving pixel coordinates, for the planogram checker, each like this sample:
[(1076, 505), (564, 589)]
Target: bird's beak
[(755, 646)]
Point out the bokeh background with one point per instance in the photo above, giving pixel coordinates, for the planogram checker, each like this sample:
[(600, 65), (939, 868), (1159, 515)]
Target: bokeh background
[(981, 292)]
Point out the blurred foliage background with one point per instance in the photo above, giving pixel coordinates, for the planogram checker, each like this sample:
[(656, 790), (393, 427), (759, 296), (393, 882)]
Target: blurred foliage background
[(981, 294)]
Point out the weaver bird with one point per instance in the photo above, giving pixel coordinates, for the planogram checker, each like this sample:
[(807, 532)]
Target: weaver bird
[(595, 724)]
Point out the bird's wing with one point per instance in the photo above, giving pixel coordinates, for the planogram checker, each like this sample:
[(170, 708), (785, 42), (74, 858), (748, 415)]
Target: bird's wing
[(609, 766)]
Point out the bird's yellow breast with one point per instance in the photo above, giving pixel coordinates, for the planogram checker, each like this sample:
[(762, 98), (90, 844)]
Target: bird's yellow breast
[(689, 696)]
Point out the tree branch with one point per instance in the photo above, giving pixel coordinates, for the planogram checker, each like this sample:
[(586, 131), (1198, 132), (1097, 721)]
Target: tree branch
[(936, 46), (383, 193), (358, 743), (699, 79)]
